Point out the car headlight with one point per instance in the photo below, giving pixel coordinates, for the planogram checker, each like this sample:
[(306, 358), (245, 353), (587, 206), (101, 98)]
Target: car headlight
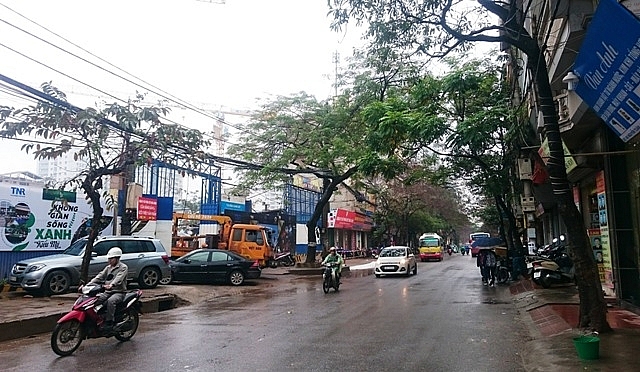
[(403, 261), (35, 267)]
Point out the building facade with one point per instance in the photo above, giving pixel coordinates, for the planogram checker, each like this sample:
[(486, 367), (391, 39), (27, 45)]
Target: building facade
[(601, 153)]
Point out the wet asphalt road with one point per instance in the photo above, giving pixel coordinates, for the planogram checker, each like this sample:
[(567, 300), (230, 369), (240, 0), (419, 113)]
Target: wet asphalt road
[(442, 319)]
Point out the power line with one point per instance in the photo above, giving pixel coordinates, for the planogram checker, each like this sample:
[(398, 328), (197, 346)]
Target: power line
[(43, 97), (61, 73), (164, 94), (101, 91)]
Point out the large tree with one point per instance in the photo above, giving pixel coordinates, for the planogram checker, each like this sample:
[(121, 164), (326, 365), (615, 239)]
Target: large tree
[(437, 27), (109, 141), (329, 139), (301, 135)]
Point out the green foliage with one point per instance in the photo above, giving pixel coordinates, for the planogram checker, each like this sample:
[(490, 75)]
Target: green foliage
[(106, 140), (299, 134), (436, 28)]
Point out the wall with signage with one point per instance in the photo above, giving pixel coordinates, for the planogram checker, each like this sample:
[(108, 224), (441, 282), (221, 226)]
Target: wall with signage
[(608, 67), (36, 219)]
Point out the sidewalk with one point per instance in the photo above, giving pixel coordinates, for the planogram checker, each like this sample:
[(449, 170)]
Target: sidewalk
[(551, 316)]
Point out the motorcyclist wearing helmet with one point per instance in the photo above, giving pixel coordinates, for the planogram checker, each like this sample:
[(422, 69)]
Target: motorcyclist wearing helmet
[(333, 256), (114, 280)]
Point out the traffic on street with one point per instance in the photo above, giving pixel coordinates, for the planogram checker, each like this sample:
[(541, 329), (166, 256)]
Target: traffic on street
[(441, 319)]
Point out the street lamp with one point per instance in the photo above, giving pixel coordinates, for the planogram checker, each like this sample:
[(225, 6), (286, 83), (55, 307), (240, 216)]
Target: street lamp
[(572, 80)]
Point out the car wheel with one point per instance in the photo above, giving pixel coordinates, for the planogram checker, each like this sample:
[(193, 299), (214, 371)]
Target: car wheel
[(166, 280), (149, 277), (56, 282), (236, 277)]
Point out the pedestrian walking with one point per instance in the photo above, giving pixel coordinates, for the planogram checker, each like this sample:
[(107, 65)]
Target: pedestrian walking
[(487, 263)]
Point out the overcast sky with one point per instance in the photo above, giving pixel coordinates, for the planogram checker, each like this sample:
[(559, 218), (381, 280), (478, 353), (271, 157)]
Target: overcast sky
[(206, 53)]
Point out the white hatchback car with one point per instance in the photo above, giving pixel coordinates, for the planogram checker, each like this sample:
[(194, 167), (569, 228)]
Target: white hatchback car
[(396, 260)]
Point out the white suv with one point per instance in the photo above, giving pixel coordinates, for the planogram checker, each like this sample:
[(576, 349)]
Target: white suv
[(146, 258)]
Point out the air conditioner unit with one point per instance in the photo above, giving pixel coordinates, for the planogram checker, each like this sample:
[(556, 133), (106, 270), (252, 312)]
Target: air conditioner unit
[(524, 169), (528, 203)]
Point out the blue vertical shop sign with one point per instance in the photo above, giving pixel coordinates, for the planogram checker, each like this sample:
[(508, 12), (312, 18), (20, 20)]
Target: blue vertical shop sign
[(608, 66)]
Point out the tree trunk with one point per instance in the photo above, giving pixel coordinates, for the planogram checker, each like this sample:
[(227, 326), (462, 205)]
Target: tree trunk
[(96, 226), (317, 213), (330, 185), (512, 237), (593, 308)]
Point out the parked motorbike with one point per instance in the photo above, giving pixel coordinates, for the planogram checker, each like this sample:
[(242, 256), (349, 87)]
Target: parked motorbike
[(557, 269), (86, 318), (330, 277), (284, 259), (547, 253)]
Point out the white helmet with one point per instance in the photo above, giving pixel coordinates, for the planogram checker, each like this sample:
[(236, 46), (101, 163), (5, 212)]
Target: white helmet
[(114, 252)]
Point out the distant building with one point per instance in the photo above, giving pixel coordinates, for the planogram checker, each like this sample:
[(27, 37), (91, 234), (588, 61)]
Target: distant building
[(60, 169)]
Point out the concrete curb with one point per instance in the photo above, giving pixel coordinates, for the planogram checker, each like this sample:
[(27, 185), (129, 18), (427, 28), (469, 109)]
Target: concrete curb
[(46, 322), (28, 327), (7, 288), (318, 270)]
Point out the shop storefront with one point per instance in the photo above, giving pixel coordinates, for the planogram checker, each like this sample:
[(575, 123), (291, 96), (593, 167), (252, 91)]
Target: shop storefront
[(597, 222), (349, 231)]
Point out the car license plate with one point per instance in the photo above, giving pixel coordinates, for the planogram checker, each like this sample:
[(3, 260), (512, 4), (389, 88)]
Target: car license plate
[(13, 279), (536, 275)]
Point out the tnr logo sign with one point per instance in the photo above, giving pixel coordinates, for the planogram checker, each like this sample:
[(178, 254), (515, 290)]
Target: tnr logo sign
[(18, 191)]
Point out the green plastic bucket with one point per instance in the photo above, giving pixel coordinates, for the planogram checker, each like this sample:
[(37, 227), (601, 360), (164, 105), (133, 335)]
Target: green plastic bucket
[(588, 347)]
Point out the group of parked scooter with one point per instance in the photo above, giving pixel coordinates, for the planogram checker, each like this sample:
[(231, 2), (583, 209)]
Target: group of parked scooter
[(552, 265)]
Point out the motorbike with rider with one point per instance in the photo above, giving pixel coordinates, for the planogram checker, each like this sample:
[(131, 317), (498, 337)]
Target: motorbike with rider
[(333, 263), (104, 309)]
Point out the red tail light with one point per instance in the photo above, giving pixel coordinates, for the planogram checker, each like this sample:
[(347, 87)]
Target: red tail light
[(165, 258), (255, 264)]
